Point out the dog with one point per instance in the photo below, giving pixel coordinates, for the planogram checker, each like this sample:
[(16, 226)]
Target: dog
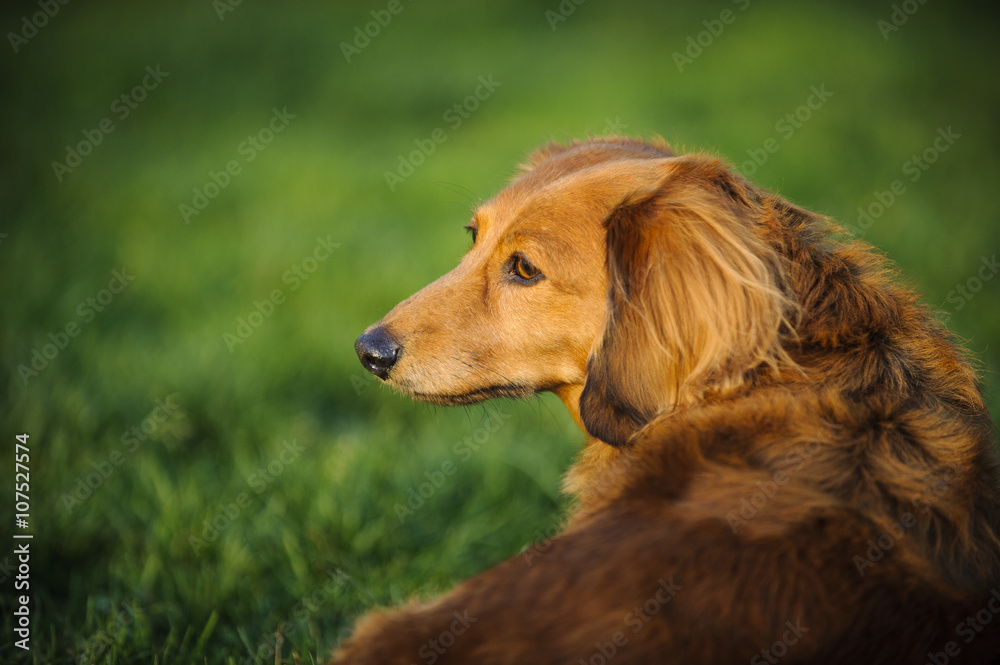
[(788, 458)]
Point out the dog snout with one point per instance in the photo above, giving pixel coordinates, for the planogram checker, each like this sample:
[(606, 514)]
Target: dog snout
[(378, 351)]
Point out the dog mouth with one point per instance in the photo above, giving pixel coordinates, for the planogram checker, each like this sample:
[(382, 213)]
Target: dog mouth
[(441, 383), (502, 390)]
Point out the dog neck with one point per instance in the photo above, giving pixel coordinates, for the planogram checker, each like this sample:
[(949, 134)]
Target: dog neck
[(570, 396)]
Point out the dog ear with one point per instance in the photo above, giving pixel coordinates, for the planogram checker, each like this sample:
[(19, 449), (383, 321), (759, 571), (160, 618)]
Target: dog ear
[(696, 299)]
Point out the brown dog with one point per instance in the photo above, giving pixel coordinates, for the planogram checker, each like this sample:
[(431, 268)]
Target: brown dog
[(790, 460)]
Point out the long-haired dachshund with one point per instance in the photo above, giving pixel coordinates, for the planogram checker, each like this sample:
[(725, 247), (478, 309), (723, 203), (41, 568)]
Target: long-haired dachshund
[(789, 459)]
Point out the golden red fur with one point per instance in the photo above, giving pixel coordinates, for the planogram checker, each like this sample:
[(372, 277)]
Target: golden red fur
[(789, 457)]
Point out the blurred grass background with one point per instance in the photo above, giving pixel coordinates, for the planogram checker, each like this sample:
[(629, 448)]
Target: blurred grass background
[(287, 428)]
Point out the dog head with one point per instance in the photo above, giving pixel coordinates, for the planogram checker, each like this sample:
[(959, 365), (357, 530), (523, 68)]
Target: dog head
[(696, 305), (522, 310), (613, 250)]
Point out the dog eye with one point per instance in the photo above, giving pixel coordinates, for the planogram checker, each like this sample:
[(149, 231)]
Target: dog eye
[(523, 269), (471, 228)]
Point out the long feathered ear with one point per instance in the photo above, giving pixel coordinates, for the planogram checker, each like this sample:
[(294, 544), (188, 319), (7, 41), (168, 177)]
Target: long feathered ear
[(697, 303)]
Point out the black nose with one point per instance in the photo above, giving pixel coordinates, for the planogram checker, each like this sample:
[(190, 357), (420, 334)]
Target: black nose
[(378, 351)]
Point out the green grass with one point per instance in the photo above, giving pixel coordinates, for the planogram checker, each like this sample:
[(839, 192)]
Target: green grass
[(115, 575)]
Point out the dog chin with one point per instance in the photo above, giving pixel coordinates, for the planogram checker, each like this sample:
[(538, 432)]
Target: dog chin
[(470, 396)]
